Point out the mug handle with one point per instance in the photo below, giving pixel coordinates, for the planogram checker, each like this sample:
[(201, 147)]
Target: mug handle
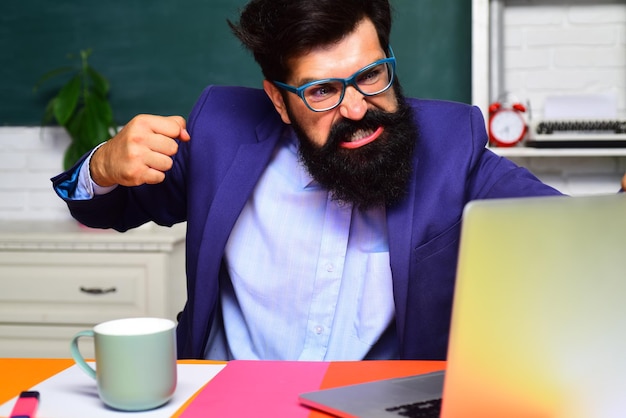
[(78, 358)]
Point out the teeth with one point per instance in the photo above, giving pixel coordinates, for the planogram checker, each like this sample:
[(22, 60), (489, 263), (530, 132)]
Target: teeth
[(361, 133)]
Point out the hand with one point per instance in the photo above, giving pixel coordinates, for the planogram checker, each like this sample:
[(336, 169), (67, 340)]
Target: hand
[(624, 183), (140, 153)]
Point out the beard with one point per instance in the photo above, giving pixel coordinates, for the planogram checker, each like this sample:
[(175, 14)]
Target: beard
[(376, 174)]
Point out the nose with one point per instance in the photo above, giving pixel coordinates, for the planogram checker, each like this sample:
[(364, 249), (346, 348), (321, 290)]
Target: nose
[(353, 105)]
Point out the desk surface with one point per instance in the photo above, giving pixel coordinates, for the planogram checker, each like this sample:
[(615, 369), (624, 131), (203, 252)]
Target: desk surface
[(21, 374)]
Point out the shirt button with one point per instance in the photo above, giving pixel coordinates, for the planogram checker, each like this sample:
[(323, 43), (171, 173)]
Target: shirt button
[(330, 267), (318, 329)]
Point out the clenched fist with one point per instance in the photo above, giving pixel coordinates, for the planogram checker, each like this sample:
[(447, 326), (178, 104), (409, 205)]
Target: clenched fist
[(140, 153)]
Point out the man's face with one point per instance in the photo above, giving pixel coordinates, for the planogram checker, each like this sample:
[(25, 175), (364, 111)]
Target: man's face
[(361, 150)]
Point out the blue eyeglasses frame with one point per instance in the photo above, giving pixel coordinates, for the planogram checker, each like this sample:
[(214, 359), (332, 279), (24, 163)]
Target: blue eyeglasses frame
[(350, 81)]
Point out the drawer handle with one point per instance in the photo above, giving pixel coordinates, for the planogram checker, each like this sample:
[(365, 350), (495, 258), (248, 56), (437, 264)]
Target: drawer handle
[(97, 290)]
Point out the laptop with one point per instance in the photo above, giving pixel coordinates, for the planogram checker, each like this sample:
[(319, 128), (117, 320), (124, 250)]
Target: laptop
[(539, 317), (382, 398)]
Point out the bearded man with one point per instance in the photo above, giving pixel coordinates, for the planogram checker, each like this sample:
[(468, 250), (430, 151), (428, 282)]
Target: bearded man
[(323, 212)]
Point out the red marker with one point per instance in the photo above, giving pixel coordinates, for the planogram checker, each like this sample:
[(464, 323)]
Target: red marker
[(26, 405)]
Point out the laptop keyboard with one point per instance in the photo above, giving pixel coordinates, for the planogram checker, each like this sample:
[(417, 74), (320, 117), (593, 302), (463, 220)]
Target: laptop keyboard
[(424, 409)]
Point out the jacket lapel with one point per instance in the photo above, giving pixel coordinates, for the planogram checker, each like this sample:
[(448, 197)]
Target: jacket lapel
[(400, 225), (238, 184)]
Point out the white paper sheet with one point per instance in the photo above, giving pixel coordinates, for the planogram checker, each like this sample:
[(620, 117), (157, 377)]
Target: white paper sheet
[(73, 394), (581, 107)]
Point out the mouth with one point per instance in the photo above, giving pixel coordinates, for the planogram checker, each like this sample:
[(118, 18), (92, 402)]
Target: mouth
[(361, 137)]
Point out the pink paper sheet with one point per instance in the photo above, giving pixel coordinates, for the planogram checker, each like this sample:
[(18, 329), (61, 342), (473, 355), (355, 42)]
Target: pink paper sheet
[(246, 388)]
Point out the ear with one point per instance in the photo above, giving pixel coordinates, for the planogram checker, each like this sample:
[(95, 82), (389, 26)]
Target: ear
[(276, 97)]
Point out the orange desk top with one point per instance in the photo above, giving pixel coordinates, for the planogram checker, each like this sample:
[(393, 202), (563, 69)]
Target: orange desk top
[(20, 374)]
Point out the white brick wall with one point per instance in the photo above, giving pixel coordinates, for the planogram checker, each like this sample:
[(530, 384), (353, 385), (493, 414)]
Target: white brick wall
[(563, 47), (29, 156)]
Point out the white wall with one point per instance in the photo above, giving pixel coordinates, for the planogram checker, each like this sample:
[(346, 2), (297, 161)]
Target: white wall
[(29, 157), (564, 47)]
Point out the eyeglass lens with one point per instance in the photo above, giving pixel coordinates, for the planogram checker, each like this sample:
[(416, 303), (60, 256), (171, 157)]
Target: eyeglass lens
[(370, 81)]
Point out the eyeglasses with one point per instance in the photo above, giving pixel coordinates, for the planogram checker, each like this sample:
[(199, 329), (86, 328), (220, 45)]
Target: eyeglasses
[(328, 93)]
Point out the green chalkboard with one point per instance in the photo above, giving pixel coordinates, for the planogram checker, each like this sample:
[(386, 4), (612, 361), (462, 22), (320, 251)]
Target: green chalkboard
[(159, 54)]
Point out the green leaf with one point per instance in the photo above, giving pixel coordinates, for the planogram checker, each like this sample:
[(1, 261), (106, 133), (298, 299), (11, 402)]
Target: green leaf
[(100, 108), (81, 107), (74, 126), (90, 125), (98, 82), (66, 100)]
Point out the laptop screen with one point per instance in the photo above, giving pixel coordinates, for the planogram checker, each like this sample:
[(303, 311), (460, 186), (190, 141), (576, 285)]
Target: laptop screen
[(539, 310)]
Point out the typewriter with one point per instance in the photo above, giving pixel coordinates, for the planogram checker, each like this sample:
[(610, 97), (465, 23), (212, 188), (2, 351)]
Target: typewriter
[(579, 121), (577, 134)]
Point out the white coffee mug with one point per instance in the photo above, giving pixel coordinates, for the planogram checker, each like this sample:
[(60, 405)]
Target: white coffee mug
[(135, 362)]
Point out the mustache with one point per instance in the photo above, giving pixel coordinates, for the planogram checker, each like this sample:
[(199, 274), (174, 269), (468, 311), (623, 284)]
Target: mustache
[(345, 128)]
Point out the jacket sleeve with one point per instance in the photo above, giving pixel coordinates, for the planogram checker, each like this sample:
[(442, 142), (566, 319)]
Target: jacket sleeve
[(126, 207)]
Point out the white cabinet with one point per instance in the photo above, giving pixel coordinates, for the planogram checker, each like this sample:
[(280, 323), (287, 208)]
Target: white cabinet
[(57, 278)]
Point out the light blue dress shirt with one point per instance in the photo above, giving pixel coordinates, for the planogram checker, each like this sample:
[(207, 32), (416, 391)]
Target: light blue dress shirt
[(305, 277), (309, 277)]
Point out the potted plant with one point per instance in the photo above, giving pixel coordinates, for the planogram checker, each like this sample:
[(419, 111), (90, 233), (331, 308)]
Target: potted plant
[(81, 106)]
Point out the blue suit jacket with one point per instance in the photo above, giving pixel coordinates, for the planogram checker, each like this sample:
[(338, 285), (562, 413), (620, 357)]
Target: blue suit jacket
[(234, 131)]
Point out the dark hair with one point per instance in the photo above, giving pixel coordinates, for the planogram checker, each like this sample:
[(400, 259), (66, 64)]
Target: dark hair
[(277, 30)]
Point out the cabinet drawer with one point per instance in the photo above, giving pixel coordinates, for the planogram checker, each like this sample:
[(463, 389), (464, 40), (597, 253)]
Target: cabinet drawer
[(51, 341), (73, 288)]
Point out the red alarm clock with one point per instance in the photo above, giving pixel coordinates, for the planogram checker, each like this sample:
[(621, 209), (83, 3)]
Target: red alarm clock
[(507, 125)]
